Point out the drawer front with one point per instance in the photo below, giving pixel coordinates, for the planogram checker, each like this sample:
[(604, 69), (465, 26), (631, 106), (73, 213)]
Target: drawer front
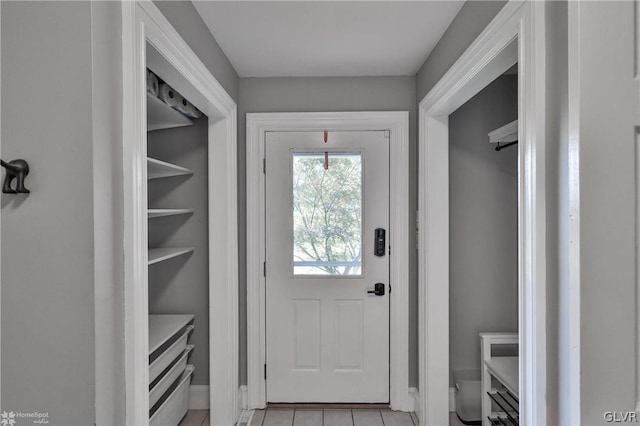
[(169, 378), (176, 405), (168, 356)]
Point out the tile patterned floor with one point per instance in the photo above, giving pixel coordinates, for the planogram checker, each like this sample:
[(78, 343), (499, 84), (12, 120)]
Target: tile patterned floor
[(196, 418), (454, 420), (330, 417), (317, 417)]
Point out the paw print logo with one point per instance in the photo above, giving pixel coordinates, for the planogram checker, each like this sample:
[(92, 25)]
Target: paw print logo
[(7, 419)]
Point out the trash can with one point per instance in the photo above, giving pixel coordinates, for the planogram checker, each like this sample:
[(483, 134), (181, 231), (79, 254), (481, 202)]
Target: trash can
[(468, 396)]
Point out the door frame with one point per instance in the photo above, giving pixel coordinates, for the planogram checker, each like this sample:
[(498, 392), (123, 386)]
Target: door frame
[(0, 214), (143, 22), (397, 122), (489, 56)]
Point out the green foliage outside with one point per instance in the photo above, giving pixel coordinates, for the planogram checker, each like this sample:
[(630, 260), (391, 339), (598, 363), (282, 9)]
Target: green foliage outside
[(327, 213)]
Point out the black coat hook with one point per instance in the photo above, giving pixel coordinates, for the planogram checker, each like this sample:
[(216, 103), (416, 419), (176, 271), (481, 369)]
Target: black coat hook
[(18, 170)]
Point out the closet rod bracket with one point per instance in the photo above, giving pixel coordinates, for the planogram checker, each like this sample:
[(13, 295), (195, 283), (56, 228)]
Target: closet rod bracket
[(506, 145), (18, 170)]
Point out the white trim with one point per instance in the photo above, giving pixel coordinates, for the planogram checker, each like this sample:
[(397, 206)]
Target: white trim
[(0, 218), (398, 123), (482, 62), (414, 395), (571, 412), (199, 397), (242, 399), (452, 400), (416, 413), (142, 22), (245, 417)]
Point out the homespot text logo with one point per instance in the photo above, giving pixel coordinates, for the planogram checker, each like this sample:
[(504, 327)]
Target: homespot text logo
[(12, 418)]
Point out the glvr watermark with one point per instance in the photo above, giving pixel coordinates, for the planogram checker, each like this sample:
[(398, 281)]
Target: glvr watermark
[(621, 417), (12, 418)]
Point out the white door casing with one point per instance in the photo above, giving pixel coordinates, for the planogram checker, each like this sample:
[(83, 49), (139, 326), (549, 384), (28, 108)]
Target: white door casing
[(327, 338), (144, 26), (398, 124), (520, 24)]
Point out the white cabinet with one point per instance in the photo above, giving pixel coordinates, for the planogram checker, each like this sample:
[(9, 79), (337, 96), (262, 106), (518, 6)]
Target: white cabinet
[(499, 380)]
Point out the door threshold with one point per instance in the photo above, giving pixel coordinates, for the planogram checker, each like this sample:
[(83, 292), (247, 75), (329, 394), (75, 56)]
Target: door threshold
[(327, 406)]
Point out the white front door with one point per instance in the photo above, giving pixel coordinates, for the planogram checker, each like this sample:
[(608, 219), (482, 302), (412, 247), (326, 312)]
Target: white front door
[(327, 206)]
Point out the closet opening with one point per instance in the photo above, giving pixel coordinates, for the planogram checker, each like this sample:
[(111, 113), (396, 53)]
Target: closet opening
[(178, 240), (180, 229), (515, 36), (483, 253)]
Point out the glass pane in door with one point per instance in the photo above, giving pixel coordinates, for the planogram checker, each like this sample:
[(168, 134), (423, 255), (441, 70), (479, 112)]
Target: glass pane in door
[(327, 213)]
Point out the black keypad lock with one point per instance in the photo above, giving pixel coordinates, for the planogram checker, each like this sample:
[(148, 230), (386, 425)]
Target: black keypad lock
[(380, 242)]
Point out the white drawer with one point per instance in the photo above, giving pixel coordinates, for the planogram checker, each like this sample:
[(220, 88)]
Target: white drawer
[(169, 378), (174, 408), (169, 355)]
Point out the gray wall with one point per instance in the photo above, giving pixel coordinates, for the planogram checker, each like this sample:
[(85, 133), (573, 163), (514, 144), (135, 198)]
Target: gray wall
[(48, 236), (186, 20), (467, 25), (181, 285), (108, 212), (608, 112), (60, 111), (329, 94), (483, 220)]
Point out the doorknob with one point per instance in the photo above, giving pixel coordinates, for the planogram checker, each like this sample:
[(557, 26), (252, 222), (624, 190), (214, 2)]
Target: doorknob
[(378, 290)]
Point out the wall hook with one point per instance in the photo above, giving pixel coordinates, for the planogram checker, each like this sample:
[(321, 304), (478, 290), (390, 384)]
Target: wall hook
[(18, 170)]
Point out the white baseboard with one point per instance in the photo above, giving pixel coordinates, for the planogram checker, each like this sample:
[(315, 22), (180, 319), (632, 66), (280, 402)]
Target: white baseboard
[(452, 400), (242, 399), (414, 394), (414, 397), (245, 418), (199, 397)]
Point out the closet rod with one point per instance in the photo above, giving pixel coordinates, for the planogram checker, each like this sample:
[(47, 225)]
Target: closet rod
[(506, 145)]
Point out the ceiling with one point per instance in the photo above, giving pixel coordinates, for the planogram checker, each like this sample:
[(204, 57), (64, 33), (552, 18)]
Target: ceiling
[(327, 38)]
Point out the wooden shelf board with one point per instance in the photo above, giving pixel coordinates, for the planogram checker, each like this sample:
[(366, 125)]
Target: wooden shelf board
[(157, 255), (157, 169), (162, 116)]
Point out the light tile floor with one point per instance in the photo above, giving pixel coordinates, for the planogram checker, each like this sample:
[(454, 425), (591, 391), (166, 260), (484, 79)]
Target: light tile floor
[(330, 417), (316, 418), (454, 420), (196, 418)]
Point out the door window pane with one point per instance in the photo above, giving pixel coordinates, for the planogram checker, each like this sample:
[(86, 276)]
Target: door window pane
[(327, 214)]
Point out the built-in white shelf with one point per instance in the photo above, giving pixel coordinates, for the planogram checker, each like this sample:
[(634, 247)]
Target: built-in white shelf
[(505, 369), (162, 116), (161, 254), (164, 327), (153, 213), (157, 169), (505, 134)]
